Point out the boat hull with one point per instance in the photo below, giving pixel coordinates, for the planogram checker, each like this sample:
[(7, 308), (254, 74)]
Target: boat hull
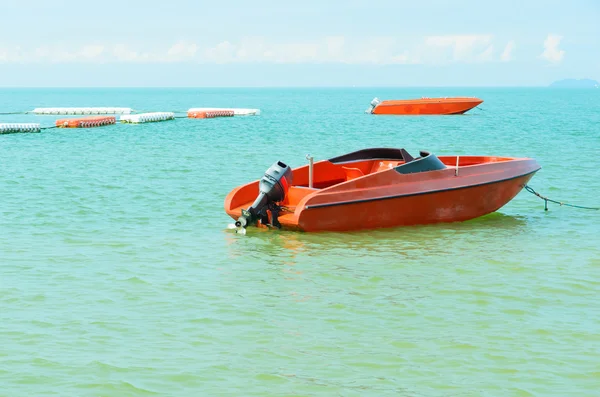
[(393, 193), (451, 205), (429, 106)]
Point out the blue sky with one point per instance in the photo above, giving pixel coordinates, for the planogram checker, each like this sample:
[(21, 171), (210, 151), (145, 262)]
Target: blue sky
[(302, 43)]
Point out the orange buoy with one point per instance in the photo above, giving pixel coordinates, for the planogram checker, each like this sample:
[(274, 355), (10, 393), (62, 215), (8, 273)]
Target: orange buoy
[(210, 114), (86, 122)]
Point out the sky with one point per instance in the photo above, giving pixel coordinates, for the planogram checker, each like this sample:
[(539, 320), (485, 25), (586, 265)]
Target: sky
[(178, 43)]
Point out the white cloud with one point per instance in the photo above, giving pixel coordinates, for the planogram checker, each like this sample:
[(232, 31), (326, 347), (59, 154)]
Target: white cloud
[(487, 55), (51, 54), (41, 53), (223, 52), (181, 51), (98, 53), (91, 51), (551, 52), (507, 53), (375, 50), (257, 50), (5, 56), (335, 46), (463, 48), (333, 49), (13, 55), (122, 53), (62, 56), (250, 49), (295, 52), (405, 59)]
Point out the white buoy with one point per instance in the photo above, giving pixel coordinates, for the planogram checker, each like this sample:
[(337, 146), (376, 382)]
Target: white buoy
[(236, 111), (81, 111), (147, 117), (10, 128)]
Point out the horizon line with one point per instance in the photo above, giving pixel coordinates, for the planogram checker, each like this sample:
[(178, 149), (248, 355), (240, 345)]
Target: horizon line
[(285, 86)]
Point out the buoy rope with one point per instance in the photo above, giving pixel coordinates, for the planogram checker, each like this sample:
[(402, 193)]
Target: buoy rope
[(546, 200), (9, 113)]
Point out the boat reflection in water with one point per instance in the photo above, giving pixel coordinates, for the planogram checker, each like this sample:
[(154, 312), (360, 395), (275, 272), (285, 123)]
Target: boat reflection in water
[(403, 243)]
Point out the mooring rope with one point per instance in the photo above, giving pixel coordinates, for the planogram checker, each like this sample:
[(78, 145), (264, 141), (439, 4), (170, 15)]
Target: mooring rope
[(546, 199)]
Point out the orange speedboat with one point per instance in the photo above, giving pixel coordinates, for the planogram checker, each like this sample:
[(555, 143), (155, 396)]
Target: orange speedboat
[(380, 187), (455, 105)]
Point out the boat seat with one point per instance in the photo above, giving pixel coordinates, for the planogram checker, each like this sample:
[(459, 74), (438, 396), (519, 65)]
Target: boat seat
[(384, 165), (352, 173), (297, 193)]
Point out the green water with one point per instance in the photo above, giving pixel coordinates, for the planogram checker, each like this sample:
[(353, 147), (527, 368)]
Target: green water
[(118, 276)]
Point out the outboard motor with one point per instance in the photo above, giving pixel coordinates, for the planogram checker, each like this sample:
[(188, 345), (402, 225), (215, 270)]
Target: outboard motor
[(374, 104), (273, 187)]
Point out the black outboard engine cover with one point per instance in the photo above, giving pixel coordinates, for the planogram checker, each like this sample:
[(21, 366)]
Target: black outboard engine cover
[(273, 187)]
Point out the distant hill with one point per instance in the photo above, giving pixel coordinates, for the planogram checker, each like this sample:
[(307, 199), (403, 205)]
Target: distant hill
[(575, 83)]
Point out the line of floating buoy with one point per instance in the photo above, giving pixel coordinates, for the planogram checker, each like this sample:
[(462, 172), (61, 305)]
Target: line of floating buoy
[(78, 111), (236, 111), (147, 117), (14, 128), (85, 122), (211, 114), (126, 117)]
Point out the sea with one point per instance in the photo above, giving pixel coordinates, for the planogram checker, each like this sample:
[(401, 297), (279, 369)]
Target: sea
[(119, 277)]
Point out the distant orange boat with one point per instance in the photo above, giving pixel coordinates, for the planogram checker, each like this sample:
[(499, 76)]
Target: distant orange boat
[(379, 187), (456, 105)]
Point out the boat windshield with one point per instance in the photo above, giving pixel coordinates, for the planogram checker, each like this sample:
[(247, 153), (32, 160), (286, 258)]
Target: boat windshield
[(426, 162), (374, 154)]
